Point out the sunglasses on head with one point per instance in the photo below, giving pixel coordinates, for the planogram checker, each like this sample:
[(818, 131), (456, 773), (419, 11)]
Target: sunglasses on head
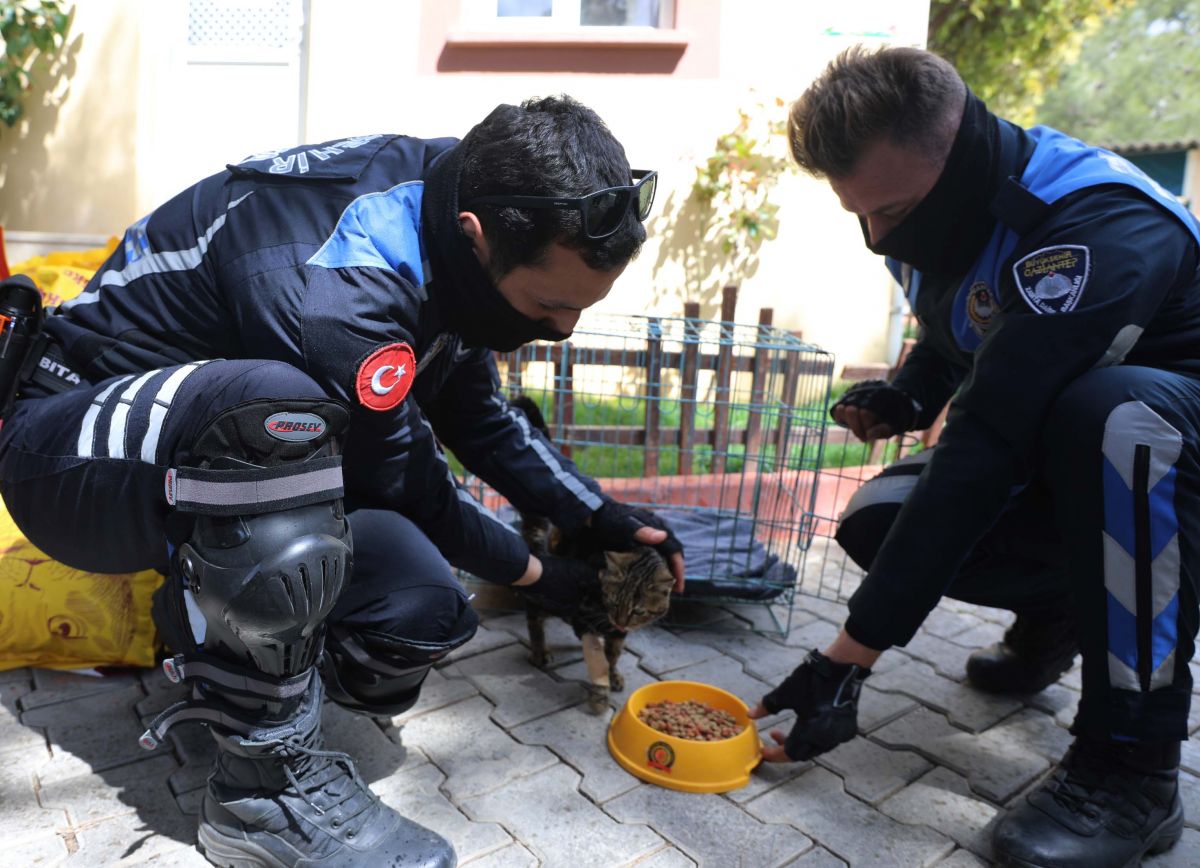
[(602, 211)]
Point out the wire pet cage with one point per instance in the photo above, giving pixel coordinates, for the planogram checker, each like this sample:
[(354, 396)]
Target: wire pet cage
[(716, 426)]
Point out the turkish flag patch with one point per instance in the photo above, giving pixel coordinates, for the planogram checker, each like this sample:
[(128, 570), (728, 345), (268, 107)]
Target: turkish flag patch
[(385, 376)]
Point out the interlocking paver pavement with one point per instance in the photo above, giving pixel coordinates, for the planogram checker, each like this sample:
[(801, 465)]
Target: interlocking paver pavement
[(504, 760)]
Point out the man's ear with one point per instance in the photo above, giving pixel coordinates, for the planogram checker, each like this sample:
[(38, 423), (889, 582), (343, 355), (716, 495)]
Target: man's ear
[(471, 227)]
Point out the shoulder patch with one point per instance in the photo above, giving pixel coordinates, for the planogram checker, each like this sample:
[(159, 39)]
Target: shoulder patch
[(385, 376), (1052, 279)]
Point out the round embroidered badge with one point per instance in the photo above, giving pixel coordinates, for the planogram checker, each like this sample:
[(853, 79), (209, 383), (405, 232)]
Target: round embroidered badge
[(385, 376)]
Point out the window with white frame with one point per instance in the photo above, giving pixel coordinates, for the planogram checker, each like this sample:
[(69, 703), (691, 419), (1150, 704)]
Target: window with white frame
[(567, 14)]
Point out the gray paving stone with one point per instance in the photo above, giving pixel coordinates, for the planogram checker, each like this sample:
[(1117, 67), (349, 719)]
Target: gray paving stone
[(815, 634), (687, 615), (1189, 794), (485, 639), (580, 739), (980, 636), (771, 619), (827, 610), (1058, 701), (767, 776), (662, 651), (23, 675), (942, 800), (762, 658), (51, 686), (964, 705), (137, 788), (996, 763), (561, 641), (1037, 731), (875, 707), (819, 857), (708, 828), (415, 793), (633, 674), (1185, 854), (816, 804), (512, 856), (1001, 617), (375, 755), (44, 850), (442, 687), (668, 857), (961, 859), (1190, 756), (727, 674), (476, 754), (561, 827), (15, 736), (1073, 678), (128, 840), (519, 690), (196, 751), (872, 772), (22, 817), (943, 655), (93, 732), (946, 622)]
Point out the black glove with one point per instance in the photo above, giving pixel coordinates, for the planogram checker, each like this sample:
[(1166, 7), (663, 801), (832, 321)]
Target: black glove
[(893, 407), (824, 696), (563, 583), (615, 523)]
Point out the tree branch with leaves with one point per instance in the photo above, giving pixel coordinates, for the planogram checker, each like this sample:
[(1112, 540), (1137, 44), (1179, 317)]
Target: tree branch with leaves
[(34, 33)]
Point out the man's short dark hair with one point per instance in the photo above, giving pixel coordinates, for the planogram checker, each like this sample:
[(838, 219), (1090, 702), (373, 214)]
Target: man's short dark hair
[(552, 146), (908, 96)]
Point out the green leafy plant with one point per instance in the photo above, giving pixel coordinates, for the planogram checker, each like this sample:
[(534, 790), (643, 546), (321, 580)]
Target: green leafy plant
[(1012, 51), (735, 183), (34, 32)]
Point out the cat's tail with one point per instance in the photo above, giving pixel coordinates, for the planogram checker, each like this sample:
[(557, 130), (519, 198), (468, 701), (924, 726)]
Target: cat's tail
[(532, 411)]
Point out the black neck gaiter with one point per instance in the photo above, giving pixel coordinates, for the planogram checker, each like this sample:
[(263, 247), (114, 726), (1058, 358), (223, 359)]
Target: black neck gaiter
[(462, 289), (948, 229)]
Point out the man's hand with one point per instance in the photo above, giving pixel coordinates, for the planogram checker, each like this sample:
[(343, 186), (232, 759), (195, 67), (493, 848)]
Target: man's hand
[(824, 696), (619, 527), (558, 584), (874, 409)]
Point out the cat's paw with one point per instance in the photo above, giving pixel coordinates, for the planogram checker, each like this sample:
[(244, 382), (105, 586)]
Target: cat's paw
[(616, 681), (597, 698), (540, 659)]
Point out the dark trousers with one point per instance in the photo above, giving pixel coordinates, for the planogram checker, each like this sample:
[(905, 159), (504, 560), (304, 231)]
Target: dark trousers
[(82, 474), (1107, 530)]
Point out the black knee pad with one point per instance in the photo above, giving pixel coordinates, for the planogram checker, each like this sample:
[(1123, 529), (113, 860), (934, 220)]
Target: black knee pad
[(379, 675), (263, 546), (869, 514)]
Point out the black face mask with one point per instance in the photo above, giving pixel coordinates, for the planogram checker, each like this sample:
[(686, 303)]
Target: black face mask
[(462, 289), (947, 230)]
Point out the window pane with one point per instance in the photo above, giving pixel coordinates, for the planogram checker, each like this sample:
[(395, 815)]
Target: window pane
[(620, 13), (524, 8)]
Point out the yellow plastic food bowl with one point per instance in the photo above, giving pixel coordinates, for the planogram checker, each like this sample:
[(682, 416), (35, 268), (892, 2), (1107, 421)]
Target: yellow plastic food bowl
[(680, 763)]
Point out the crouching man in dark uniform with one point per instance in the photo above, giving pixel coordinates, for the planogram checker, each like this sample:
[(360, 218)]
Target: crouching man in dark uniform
[(257, 375), (1058, 294)]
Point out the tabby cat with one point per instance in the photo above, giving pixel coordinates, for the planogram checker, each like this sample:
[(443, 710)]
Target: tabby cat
[(635, 589)]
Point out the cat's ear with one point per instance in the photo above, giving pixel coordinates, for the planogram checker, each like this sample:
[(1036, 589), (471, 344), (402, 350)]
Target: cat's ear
[(619, 561)]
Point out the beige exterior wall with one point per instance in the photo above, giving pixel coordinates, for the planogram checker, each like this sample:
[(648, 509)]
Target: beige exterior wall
[(140, 117)]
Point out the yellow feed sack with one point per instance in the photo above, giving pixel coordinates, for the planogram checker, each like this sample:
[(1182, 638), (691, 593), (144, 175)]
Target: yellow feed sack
[(62, 274), (56, 617), (51, 615)]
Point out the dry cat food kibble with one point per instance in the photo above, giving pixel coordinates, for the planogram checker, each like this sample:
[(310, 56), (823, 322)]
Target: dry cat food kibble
[(690, 719)]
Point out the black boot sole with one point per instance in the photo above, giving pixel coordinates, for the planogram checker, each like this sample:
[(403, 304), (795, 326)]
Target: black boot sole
[(228, 852), (1162, 839)]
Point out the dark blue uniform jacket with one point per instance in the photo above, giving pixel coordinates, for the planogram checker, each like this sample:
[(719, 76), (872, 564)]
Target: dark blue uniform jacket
[(315, 257), (1091, 264)]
